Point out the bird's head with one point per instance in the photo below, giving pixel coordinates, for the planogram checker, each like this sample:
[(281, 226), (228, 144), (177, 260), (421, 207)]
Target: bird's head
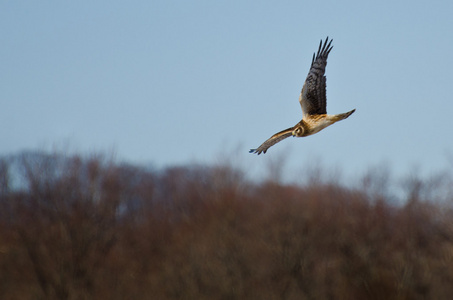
[(298, 131)]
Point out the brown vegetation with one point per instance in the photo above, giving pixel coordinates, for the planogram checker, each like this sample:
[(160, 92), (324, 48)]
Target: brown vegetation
[(92, 229)]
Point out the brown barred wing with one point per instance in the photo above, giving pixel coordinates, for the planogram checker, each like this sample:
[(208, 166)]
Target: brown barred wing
[(272, 141), (313, 95)]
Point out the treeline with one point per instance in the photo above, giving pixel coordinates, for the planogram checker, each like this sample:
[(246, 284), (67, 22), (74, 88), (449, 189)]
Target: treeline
[(88, 228)]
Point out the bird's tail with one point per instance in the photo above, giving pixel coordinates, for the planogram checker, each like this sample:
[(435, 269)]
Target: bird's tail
[(343, 116)]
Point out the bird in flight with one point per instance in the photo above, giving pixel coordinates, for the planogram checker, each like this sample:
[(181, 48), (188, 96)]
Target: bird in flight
[(313, 102)]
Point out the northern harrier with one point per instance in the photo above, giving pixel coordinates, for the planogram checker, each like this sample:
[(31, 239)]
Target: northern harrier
[(313, 102)]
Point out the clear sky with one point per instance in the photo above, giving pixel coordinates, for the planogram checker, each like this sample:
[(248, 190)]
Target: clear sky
[(175, 82)]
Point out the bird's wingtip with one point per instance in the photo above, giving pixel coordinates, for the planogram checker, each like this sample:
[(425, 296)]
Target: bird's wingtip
[(256, 151)]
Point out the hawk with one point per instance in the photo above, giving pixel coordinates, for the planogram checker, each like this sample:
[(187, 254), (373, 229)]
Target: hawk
[(313, 102)]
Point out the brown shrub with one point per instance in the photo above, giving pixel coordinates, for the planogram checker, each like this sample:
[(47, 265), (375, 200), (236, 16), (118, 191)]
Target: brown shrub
[(91, 229)]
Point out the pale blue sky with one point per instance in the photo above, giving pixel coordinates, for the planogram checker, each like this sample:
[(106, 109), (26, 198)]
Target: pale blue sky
[(173, 82)]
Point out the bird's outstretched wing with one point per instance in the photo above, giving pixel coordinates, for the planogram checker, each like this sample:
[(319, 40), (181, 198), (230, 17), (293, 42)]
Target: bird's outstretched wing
[(272, 141), (313, 95)]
